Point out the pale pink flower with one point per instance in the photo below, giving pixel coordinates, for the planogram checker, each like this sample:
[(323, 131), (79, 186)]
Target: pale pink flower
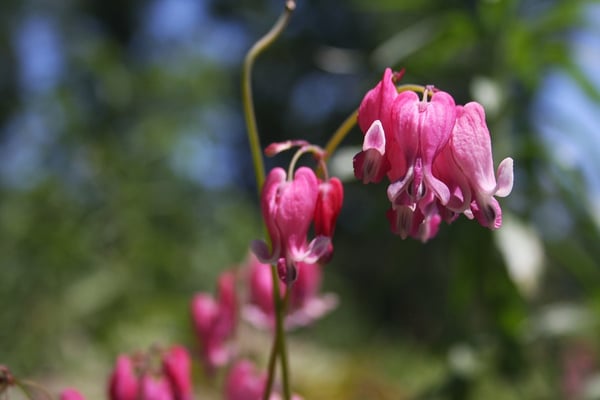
[(214, 321), (288, 208), (471, 149), (71, 394)]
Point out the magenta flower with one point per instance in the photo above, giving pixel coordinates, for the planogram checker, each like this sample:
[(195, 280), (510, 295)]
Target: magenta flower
[(306, 303), (214, 321), (177, 367), (71, 394), (137, 378), (288, 208), (123, 383), (436, 155)]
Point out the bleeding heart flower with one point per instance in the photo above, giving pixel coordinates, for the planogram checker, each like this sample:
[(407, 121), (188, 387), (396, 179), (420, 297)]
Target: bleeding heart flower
[(288, 208)]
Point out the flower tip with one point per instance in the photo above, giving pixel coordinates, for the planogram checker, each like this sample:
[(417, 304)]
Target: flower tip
[(505, 178)]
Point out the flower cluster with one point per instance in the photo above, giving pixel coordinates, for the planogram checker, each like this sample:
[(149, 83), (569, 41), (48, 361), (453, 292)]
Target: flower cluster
[(436, 155), (138, 378)]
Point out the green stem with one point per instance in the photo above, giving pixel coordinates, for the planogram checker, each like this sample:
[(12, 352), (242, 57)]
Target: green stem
[(340, 134), (279, 343), (248, 104), (350, 121), (285, 369)]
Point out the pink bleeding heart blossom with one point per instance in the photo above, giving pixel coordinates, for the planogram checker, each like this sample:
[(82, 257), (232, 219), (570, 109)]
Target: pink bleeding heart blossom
[(215, 322), (136, 378), (306, 303), (71, 394), (288, 208), (436, 155), (244, 382)]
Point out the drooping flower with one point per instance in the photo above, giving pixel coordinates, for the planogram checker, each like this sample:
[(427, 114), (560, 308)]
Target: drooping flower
[(436, 155), (471, 149), (288, 208), (306, 303), (214, 321)]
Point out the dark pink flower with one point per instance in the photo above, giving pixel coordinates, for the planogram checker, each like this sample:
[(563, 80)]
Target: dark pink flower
[(214, 322), (327, 210), (177, 367), (288, 208), (71, 394), (123, 383)]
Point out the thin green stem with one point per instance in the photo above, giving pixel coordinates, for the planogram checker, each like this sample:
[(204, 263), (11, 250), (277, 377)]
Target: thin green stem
[(285, 369), (350, 121), (248, 104), (340, 134), (279, 343)]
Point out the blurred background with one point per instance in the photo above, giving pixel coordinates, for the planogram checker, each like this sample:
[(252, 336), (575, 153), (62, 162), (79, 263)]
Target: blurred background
[(126, 186)]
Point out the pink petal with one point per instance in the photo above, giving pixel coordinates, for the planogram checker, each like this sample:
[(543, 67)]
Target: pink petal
[(177, 367), (472, 147), (504, 183), (377, 103), (123, 381)]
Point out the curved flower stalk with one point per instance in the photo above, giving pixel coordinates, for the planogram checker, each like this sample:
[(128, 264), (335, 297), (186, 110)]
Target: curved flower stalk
[(436, 155), (215, 322), (306, 304)]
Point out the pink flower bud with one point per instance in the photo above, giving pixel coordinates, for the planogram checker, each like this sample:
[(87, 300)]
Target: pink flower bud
[(123, 383), (243, 382), (177, 367)]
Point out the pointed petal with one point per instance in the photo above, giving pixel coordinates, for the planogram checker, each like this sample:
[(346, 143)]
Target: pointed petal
[(262, 252), (316, 249), (377, 102), (375, 138), (504, 181)]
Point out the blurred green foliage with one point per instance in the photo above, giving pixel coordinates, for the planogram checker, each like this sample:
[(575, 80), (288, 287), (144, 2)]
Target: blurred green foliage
[(127, 186)]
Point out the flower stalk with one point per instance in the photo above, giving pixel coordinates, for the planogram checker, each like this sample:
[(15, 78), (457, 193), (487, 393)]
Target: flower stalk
[(248, 104), (279, 346)]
